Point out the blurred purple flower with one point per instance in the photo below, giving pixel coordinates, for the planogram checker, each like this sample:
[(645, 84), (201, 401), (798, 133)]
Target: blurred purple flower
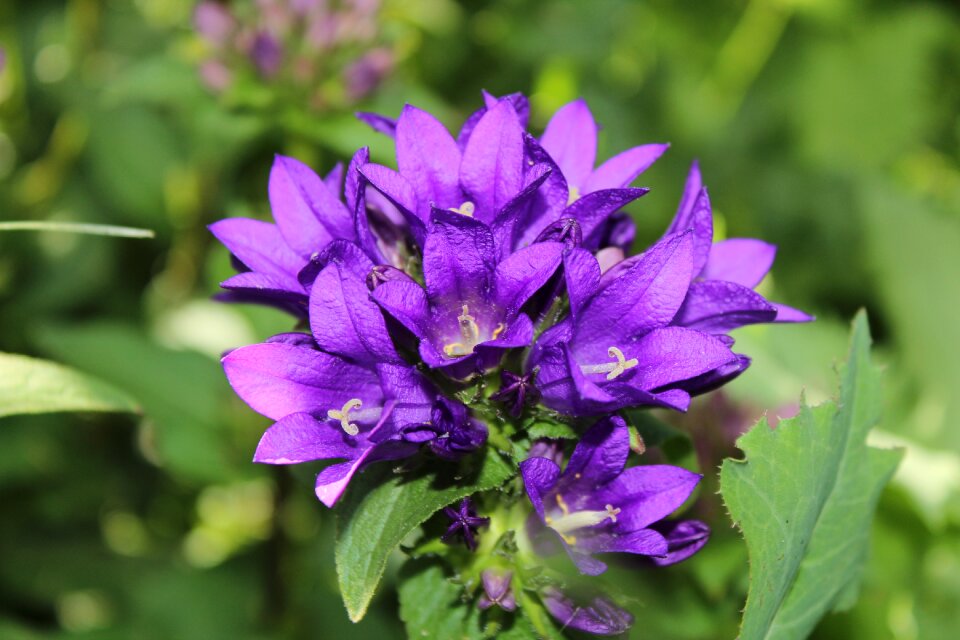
[(464, 524), (597, 506)]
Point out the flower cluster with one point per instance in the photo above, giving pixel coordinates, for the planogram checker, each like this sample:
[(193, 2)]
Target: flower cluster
[(496, 262), (333, 50)]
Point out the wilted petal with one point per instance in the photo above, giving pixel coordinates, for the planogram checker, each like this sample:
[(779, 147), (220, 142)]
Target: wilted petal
[(571, 140), (742, 260), (623, 168)]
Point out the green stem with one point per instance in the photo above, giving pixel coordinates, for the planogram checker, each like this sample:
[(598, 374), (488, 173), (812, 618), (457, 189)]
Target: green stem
[(77, 227)]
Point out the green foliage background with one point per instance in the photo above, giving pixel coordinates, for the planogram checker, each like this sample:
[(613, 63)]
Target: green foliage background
[(829, 127)]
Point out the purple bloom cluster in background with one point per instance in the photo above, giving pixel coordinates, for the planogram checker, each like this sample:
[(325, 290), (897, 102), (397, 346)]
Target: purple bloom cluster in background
[(493, 261), (304, 43)]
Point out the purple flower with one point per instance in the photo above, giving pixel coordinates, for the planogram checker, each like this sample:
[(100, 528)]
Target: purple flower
[(488, 179), (617, 347), (464, 524), (516, 391), (497, 590), (343, 393), (601, 616), (214, 22), (721, 296), (597, 506), (266, 54), (309, 217), (571, 140), (470, 310)]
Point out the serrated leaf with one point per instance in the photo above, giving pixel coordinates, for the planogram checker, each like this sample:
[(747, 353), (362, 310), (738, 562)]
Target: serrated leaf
[(30, 385), (381, 508), (804, 499), (431, 606), (551, 429)]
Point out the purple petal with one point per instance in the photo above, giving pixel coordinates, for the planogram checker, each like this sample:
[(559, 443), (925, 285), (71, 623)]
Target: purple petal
[(648, 493), (683, 219), (582, 274), (429, 158), (401, 194), (516, 100), (540, 476), (308, 214), (263, 285), (345, 321), (458, 256), (523, 273), (571, 140), (299, 437), (593, 210), (622, 169), (333, 181), (673, 354), (742, 260), (260, 246), (346, 254), (491, 171), (407, 303), (601, 453), (684, 538), (516, 210), (600, 617), (642, 297), (279, 379), (644, 542), (379, 123), (716, 306), (789, 314)]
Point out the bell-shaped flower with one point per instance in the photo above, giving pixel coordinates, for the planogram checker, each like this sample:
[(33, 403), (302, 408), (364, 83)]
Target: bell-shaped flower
[(470, 310), (617, 347), (343, 392), (721, 296), (596, 505), (309, 216)]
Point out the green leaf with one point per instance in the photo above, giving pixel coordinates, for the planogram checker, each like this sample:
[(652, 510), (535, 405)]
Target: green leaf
[(382, 508), (551, 429), (804, 499), (29, 385), (433, 606)]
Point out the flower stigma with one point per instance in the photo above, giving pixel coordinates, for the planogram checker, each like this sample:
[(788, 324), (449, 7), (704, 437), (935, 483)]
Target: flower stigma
[(574, 520), (465, 209), (612, 369), (469, 330), (343, 415)]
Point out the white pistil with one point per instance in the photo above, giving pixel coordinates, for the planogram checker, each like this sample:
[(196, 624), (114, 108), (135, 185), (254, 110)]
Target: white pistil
[(573, 520), (465, 209), (343, 415), (469, 330), (612, 369)]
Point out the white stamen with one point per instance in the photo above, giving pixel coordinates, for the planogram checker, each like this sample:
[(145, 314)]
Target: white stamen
[(343, 415), (465, 209), (574, 196), (612, 369)]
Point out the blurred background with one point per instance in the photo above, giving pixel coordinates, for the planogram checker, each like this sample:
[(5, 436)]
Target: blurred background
[(829, 127)]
